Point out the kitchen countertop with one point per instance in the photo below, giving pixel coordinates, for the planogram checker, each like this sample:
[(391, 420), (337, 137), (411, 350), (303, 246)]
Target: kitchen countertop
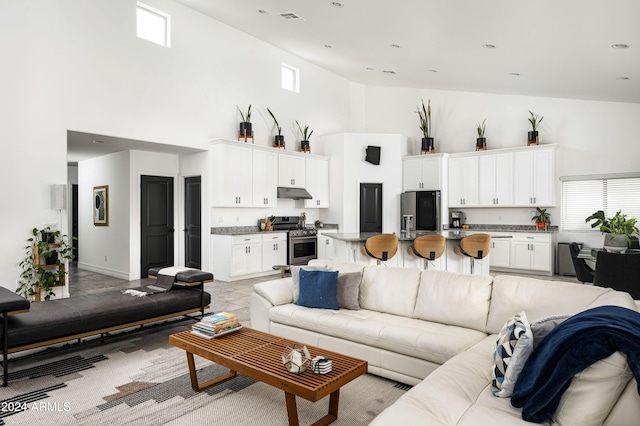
[(450, 234), (239, 230)]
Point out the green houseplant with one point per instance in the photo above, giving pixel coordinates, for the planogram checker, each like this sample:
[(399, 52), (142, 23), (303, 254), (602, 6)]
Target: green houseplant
[(617, 229), (278, 139), (43, 266), (245, 125), (481, 142), (424, 114), (534, 120), (306, 134), (542, 218)]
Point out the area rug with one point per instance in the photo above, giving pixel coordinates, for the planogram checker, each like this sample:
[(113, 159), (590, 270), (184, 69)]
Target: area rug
[(141, 379)]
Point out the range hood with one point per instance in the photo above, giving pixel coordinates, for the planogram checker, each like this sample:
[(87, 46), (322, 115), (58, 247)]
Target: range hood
[(293, 193)]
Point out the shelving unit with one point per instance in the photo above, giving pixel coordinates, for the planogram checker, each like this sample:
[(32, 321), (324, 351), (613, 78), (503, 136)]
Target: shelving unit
[(42, 264)]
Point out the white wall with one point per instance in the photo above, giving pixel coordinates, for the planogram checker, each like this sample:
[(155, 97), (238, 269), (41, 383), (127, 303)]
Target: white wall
[(78, 65), (347, 170), (592, 137)]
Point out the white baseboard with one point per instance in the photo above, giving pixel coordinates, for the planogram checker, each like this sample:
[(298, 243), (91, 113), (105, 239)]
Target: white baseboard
[(106, 271)]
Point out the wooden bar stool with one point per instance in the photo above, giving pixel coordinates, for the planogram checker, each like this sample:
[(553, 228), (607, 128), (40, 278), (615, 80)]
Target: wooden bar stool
[(381, 247), (474, 247), (428, 247)]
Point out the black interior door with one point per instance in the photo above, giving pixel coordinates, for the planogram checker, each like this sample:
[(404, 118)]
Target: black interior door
[(192, 223), (156, 223), (371, 207)]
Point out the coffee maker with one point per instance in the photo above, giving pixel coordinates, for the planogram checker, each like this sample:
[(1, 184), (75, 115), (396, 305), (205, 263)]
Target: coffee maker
[(456, 219)]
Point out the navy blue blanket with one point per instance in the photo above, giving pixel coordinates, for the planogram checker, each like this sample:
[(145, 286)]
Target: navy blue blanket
[(571, 347)]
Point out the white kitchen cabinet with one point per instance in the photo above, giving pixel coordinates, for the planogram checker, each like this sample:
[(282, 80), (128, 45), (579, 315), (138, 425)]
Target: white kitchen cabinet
[(274, 250), (317, 183), (463, 181), (495, 175), (421, 173), (534, 177), (247, 255), (326, 247), (532, 252), (231, 184), (500, 252), (291, 171), (265, 170)]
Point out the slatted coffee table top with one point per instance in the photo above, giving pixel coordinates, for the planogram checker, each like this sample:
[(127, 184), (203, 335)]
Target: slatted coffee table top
[(259, 355)]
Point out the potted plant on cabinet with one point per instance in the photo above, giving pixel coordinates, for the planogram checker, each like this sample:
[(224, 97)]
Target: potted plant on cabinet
[(278, 140), (532, 136), (617, 230), (427, 144), (306, 134), (481, 142), (52, 247), (542, 218), (245, 125)]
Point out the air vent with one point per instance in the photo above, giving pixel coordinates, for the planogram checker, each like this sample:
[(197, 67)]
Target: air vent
[(290, 16)]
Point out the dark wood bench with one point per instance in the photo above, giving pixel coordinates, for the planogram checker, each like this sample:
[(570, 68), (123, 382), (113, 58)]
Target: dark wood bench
[(45, 323)]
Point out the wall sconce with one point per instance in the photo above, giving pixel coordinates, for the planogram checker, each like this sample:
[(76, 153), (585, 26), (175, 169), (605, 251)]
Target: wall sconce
[(58, 197)]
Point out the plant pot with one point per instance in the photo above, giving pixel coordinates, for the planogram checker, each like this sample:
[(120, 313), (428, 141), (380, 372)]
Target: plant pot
[(305, 146), (532, 136), (617, 243), (541, 225), (52, 259), (427, 144), (278, 140), (245, 128), (48, 237), (481, 143)]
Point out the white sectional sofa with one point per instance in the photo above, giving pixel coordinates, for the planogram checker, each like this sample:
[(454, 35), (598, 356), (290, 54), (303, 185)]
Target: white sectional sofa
[(437, 331)]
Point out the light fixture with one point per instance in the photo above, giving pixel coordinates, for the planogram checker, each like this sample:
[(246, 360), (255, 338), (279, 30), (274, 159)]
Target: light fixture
[(335, 4), (433, 70), (515, 74), (264, 12), (388, 71), (489, 46), (397, 46), (370, 69), (98, 141), (328, 46), (620, 46), (58, 196), (623, 78)]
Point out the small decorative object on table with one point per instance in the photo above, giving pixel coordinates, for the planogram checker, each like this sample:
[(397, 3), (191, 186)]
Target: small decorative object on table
[(246, 131), (321, 365), (542, 218), (305, 146), (296, 358), (216, 325), (427, 145), (278, 140), (481, 141)]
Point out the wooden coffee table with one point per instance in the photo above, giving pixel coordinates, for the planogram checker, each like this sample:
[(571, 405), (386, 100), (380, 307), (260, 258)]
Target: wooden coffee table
[(259, 355)]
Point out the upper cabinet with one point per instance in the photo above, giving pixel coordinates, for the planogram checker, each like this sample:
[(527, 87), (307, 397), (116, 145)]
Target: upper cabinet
[(512, 177), (495, 175), (291, 171), (317, 179), (534, 171), (422, 173), (265, 167), (232, 173), (463, 181)]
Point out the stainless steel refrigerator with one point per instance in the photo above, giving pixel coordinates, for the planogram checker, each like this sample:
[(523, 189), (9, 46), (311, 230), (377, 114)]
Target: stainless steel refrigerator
[(420, 211)]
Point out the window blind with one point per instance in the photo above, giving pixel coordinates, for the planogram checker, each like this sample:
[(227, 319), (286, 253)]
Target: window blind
[(583, 197)]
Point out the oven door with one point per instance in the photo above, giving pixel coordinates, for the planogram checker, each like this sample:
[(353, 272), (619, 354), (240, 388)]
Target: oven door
[(302, 250)]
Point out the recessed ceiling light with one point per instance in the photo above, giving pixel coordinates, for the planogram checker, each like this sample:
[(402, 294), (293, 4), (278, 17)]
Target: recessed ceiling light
[(290, 16), (388, 71), (489, 46), (433, 70), (370, 69), (620, 46), (98, 141), (335, 4), (623, 78), (515, 74), (263, 11), (328, 46), (397, 46)]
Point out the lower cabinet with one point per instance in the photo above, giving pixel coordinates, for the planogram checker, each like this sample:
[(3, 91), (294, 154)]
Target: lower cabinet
[(500, 249), (532, 252), (243, 256), (326, 245)]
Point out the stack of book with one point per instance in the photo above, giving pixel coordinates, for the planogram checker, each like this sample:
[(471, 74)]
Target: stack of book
[(216, 325)]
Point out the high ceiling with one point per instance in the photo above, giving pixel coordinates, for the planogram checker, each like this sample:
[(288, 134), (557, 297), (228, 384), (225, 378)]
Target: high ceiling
[(551, 48)]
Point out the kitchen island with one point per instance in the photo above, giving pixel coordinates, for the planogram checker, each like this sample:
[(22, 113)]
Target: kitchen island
[(514, 248)]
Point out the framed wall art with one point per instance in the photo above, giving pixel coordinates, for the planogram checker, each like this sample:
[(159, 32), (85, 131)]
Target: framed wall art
[(101, 205)]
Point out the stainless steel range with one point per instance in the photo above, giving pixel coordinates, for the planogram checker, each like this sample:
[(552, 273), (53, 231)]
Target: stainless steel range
[(302, 242)]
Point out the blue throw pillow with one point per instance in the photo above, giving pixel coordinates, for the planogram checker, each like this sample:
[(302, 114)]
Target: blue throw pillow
[(319, 289)]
